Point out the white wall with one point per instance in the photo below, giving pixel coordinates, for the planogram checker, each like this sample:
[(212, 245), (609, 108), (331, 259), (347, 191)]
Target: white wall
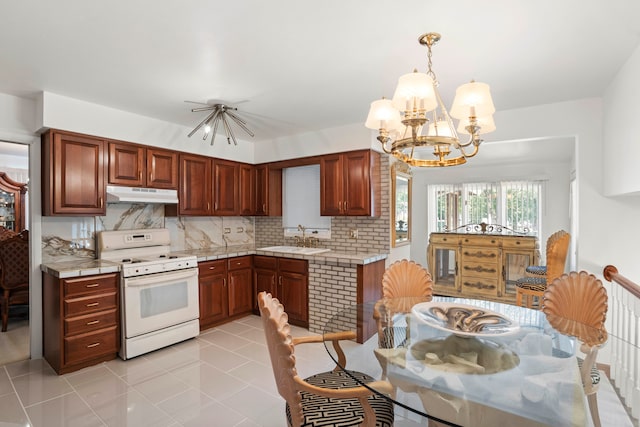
[(333, 140), (622, 130), (61, 112)]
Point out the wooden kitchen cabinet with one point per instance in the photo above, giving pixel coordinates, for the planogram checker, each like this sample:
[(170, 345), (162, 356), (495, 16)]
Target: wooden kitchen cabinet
[(81, 320), (240, 277), (194, 191), (484, 266), (74, 174), (226, 187), (247, 203), (287, 279), (212, 279), (138, 166), (226, 290), (350, 184), (268, 191)]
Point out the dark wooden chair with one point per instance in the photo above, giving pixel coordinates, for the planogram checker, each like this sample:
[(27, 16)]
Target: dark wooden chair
[(14, 274)]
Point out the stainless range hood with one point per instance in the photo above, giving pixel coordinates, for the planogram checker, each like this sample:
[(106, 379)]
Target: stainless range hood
[(117, 194)]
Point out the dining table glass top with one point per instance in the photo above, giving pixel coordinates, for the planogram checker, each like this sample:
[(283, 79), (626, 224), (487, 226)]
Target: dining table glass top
[(465, 362)]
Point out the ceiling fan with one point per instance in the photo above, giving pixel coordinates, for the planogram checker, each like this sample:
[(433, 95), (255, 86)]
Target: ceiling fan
[(221, 112)]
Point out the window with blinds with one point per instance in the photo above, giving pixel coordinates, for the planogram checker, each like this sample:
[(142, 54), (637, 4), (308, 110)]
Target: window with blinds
[(512, 204)]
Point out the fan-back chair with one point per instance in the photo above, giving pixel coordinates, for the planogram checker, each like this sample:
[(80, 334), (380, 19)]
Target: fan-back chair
[(14, 274), (532, 286), (332, 398), (576, 304), (407, 283)]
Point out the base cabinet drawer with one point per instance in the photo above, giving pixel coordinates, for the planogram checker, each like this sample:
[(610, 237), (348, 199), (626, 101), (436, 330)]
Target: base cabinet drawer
[(89, 304), (90, 322), (80, 348)]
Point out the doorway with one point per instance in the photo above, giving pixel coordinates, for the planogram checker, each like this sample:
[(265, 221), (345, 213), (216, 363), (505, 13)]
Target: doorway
[(14, 162)]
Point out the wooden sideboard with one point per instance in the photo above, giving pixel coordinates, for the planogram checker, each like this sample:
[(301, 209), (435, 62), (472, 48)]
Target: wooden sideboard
[(483, 266)]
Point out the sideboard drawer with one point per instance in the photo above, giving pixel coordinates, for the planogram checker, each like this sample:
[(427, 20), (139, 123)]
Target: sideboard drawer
[(519, 243), (451, 239), (480, 240), (480, 255), (473, 286), (479, 269)]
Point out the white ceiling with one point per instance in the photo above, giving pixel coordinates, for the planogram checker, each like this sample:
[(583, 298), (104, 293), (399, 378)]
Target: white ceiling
[(293, 66)]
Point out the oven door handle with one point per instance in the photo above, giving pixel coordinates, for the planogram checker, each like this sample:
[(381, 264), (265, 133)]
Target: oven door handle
[(156, 278)]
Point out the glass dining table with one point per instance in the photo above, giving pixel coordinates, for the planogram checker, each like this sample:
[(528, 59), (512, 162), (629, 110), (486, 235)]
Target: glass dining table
[(466, 362)]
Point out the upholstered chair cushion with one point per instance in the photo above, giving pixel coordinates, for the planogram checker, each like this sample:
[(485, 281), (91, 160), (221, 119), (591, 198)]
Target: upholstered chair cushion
[(327, 412), (532, 283), (538, 270)]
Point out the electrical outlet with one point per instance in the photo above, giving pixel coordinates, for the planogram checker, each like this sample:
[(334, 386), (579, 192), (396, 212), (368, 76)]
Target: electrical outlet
[(227, 230), (239, 229), (353, 233)]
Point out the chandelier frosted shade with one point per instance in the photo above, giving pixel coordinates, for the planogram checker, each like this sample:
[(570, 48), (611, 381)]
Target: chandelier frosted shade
[(472, 99), (383, 114), (416, 127), (415, 92)]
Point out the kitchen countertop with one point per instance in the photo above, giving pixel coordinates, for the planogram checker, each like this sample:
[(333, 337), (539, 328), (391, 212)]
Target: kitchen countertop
[(88, 267)]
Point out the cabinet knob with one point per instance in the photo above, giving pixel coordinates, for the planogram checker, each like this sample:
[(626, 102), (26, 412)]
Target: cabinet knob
[(212, 268), (93, 304), (92, 285), (95, 344), (93, 322)]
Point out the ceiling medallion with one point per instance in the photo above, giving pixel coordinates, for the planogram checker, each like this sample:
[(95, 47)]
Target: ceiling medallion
[(415, 126), (220, 113)]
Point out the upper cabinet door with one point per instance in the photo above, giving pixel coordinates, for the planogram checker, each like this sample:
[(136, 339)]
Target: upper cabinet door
[(357, 189), (225, 187), (331, 185), (162, 168), (247, 190), (268, 191), (350, 184), (126, 164), (74, 174), (195, 185)]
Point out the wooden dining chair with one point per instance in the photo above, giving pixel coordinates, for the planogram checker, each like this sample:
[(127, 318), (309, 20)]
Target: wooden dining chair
[(14, 274), (407, 283), (531, 287), (576, 304), (332, 398)]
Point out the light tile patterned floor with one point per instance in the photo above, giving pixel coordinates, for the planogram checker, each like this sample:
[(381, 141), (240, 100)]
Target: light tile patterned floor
[(222, 378)]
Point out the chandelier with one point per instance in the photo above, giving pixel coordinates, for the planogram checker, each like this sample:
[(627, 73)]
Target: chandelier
[(220, 113), (415, 126)]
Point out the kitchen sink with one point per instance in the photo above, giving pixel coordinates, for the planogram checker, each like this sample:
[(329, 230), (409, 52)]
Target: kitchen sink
[(295, 250)]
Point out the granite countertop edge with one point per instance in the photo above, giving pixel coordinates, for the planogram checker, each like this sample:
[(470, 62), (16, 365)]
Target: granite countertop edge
[(90, 267)]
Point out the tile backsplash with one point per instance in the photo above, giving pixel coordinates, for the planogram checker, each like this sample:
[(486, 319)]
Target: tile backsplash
[(71, 238)]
